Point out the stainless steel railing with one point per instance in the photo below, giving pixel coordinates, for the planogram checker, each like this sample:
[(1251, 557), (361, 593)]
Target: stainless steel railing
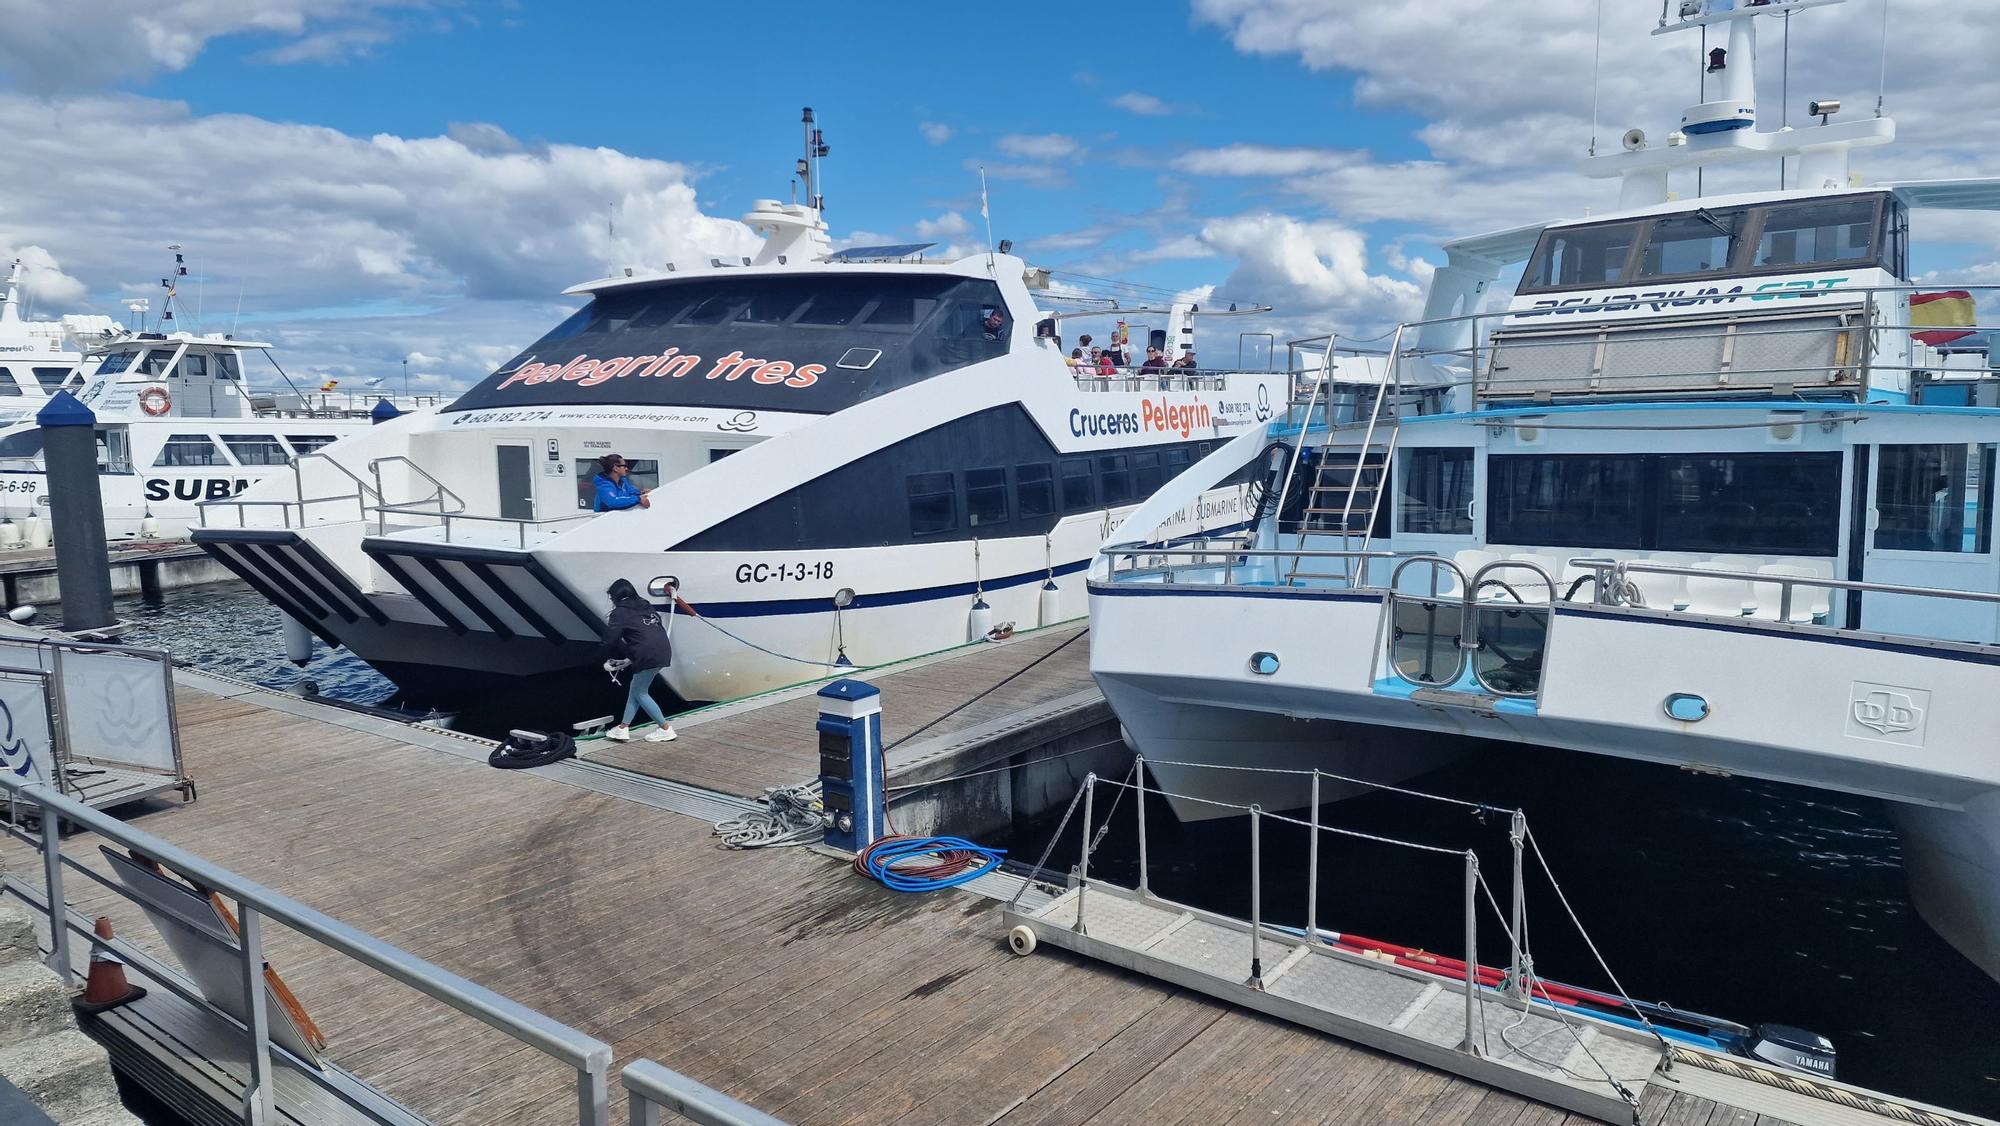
[(521, 526), (588, 1057), (300, 501), (432, 505), (654, 1092)]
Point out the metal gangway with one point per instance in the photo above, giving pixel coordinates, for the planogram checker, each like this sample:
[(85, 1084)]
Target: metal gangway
[(1504, 1028)]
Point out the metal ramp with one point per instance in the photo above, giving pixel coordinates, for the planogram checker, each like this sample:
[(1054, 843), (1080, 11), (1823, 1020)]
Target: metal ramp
[(1516, 1047)]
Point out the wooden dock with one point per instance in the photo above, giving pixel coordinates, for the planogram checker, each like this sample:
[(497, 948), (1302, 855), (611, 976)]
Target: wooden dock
[(943, 707), (28, 575), (779, 976)]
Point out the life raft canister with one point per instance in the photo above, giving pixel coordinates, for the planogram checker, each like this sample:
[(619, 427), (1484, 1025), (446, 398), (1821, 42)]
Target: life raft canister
[(155, 401)]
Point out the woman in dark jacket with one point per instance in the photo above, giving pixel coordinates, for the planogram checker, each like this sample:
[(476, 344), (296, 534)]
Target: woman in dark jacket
[(639, 646)]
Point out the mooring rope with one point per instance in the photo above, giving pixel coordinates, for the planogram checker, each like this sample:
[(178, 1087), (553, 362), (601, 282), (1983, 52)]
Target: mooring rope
[(792, 815)]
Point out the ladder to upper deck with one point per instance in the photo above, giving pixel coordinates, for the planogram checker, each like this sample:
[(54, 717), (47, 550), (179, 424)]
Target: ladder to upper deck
[(1345, 496)]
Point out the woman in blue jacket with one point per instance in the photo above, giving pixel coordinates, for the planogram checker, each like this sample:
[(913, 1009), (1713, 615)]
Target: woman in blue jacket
[(615, 490)]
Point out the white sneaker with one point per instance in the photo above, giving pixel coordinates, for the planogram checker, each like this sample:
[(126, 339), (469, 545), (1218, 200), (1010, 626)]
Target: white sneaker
[(663, 735), (618, 734)]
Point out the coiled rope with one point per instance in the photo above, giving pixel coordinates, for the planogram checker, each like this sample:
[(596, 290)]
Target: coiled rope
[(892, 862), (792, 815)]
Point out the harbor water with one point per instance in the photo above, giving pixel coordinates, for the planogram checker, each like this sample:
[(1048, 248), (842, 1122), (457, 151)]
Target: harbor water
[(1748, 900)]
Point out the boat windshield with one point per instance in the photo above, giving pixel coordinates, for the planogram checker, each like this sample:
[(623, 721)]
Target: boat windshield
[(817, 344), (1708, 244)]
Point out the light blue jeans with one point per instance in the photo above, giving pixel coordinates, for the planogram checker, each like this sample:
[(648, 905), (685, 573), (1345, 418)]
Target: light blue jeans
[(639, 696)]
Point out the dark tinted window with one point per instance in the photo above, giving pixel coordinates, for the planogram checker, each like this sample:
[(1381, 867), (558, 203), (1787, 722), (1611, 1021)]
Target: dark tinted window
[(833, 309), (1437, 492), (51, 378), (256, 449), (1174, 461), (1818, 234), (226, 366), (24, 443), (1586, 256), (190, 449), (709, 311), (933, 504), (1776, 504), (1767, 504), (1935, 498), (7, 384), (1114, 477), (900, 310), (116, 362), (1146, 473), (985, 497), (1034, 490), (770, 308), (1681, 245), (1077, 490), (307, 443), (1564, 501)]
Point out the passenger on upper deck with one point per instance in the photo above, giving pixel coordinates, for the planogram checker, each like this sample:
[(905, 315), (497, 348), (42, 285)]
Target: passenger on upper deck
[(615, 490)]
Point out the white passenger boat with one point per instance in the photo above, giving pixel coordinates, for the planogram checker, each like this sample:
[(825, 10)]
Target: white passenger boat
[(39, 358), (856, 457), (1715, 489)]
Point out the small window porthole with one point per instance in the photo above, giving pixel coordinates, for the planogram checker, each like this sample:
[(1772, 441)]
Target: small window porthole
[(859, 359), (1686, 708), (1264, 664)]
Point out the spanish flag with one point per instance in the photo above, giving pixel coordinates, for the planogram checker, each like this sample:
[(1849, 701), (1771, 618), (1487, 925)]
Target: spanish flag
[(329, 385), (1948, 311)]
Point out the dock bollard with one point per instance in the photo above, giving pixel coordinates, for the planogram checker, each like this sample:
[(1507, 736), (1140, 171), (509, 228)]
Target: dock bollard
[(850, 764), (69, 450)]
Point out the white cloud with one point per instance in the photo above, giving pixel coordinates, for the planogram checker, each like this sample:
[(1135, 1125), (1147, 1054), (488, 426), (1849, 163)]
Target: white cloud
[(935, 132), (1262, 160), (43, 282), (1315, 272), (1145, 105), (1177, 248), (944, 226), (1043, 147), (472, 230), (50, 46)]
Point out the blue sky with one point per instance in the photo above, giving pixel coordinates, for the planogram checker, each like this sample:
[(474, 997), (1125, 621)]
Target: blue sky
[(384, 179)]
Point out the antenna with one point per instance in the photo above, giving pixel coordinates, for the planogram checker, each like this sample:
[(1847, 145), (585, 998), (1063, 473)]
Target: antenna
[(1882, 83), (1596, 57), (810, 169)]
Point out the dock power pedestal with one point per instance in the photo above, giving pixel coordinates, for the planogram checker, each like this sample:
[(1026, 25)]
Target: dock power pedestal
[(850, 764)]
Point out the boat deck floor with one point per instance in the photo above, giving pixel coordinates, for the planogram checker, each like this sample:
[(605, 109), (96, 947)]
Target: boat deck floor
[(778, 977), (745, 746)]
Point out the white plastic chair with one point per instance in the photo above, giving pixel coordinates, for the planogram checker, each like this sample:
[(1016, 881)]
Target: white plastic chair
[(1809, 603), (1725, 598)]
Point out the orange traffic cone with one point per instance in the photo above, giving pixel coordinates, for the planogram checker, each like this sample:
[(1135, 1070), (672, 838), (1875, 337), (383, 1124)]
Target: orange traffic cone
[(106, 987)]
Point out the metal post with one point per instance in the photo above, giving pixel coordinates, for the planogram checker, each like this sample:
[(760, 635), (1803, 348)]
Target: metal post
[(257, 1102), (1472, 1044), (1256, 896), (1785, 601), (1083, 860), (1312, 867), (52, 880), (1139, 773), (1517, 968), (593, 1096), (69, 451), (645, 1112)]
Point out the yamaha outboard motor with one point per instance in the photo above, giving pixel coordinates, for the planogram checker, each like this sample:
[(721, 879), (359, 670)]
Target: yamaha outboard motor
[(1793, 1049)]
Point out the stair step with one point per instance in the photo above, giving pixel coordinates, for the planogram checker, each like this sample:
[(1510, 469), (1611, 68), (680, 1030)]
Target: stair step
[(33, 1002), (66, 1074), (17, 932)]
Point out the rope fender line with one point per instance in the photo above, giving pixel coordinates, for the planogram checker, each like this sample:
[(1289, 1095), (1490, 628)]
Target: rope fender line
[(1805, 1085)]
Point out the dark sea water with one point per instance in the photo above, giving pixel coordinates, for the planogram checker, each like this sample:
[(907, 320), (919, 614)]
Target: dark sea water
[(1749, 900)]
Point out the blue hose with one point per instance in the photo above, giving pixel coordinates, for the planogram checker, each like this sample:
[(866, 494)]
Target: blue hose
[(879, 860)]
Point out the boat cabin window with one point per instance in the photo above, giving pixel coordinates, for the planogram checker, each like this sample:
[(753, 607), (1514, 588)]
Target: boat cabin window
[(117, 362), (51, 378), (1078, 492), (933, 504), (643, 472), (8, 386), (225, 365), (114, 450), (157, 361), (307, 443), (190, 449), (1114, 479), (833, 309), (256, 449), (1935, 498), (1437, 492), (1711, 243), (1034, 490), (985, 497), (1761, 503), (1581, 256), (22, 443)]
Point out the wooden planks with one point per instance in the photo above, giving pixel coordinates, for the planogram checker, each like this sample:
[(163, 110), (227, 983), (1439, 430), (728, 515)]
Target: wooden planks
[(778, 977), (744, 749)]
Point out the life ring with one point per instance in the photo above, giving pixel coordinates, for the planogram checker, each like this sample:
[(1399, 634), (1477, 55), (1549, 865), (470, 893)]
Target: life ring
[(155, 401)]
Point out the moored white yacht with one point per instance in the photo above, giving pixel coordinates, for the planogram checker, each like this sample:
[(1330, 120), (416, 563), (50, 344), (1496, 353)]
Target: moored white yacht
[(1715, 489), (857, 456), (178, 421)]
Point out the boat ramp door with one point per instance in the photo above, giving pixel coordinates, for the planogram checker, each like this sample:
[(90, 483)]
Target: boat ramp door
[(1485, 635)]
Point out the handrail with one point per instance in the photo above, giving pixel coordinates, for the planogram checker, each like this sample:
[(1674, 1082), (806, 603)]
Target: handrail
[(587, 1055), (652, 1089), (521, 525), (439, 491), (300, 499)]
